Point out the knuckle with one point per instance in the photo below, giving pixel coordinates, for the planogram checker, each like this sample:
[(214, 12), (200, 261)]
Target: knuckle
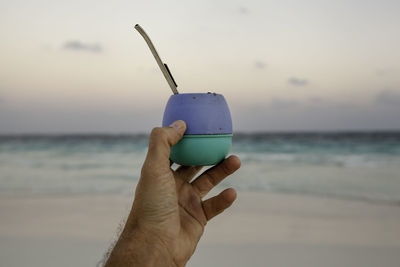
[(225, 169), (212, 179), (158, 133)]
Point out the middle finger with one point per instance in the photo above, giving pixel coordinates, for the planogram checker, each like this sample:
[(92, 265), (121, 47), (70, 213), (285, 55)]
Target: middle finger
[(210, 178)]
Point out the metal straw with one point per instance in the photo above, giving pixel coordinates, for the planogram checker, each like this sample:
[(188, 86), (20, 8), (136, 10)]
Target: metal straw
[(164, 68)]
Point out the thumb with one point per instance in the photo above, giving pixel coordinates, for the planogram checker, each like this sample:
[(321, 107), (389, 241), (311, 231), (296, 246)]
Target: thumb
[(161, 140)]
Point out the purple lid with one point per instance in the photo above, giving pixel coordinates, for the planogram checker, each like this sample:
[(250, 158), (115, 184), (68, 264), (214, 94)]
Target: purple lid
[(204, 113)]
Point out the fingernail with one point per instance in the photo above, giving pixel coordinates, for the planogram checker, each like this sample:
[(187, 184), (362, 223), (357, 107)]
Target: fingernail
[(178, 125)]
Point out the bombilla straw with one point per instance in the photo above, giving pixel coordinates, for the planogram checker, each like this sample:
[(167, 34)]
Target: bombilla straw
[(164, 68)]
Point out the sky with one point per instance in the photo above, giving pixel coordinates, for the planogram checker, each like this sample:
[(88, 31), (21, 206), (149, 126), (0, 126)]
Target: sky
[(80, 67)]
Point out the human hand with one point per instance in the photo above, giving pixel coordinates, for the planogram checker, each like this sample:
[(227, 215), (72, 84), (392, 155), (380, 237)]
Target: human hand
[(169, 214)]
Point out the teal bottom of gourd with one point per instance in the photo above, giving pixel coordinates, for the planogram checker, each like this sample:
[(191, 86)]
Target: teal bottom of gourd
[(201, 150)]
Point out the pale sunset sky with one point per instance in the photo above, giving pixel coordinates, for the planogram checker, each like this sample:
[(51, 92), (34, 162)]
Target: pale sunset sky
[(80, 67)]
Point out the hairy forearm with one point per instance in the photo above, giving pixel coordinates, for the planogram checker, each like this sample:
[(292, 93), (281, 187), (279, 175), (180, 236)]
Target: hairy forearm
[(137, 248)]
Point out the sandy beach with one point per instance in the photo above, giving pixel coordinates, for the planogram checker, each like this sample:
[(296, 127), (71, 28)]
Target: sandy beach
[(305, 93), (259, 230)]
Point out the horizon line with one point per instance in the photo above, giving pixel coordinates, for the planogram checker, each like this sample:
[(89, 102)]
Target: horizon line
[(337, 131)]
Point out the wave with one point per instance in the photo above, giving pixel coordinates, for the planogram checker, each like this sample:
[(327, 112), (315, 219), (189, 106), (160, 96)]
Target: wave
[(338, 165)]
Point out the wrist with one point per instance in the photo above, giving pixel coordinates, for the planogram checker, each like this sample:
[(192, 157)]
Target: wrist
[(140, 248)]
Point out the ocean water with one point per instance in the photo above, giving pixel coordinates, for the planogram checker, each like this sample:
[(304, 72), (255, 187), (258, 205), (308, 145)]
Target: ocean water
[(360, 166)]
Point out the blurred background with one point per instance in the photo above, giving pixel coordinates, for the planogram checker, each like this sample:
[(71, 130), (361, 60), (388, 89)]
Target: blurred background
[(314, 92)]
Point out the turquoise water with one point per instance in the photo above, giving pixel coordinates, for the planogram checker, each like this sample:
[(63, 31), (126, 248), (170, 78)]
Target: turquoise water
[(359, 166)]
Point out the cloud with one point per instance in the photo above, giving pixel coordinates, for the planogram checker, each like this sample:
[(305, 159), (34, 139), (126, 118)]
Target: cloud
[(260, 64), (326, 115), (388, 97), (278, 114), (76, 45), (297, 82), (243, 10)]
